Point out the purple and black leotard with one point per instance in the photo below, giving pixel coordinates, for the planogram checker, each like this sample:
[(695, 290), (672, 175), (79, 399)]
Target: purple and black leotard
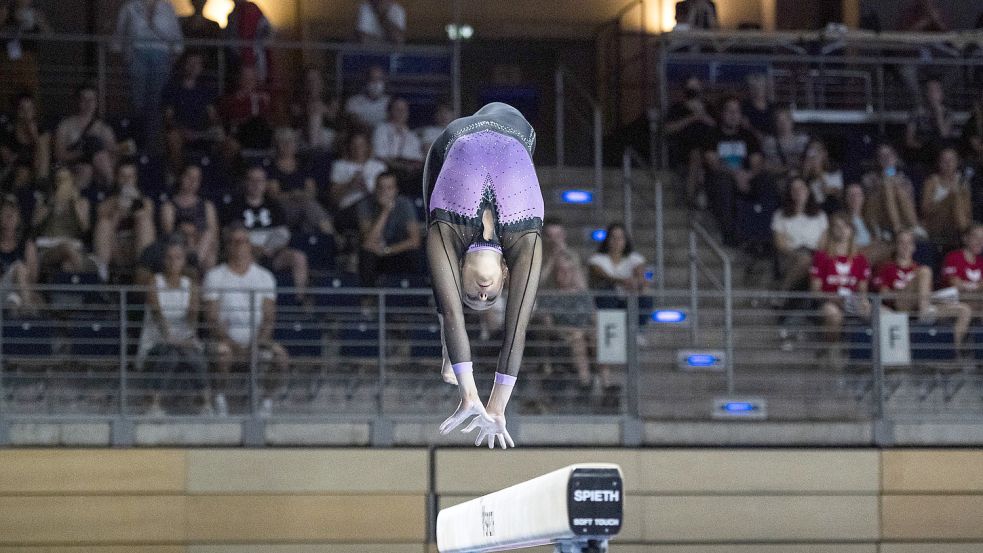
[(484, 162)]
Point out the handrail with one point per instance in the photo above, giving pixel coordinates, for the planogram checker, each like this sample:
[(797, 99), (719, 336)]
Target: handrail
[(629, 158), (597, 125), (697, 231)]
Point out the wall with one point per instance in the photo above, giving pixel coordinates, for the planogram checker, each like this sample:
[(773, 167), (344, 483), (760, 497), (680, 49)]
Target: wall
[(375, 501)]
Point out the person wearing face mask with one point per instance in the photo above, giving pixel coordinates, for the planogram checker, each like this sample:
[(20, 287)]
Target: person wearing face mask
[(371, 106), (688, 124), (485, 217)]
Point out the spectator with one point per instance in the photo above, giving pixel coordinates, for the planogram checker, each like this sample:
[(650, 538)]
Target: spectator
[(911, 284), (555, 244), (785, 150), (947, 202), (198, 27), (390, 233), (568, 314), (240, 308), (190, 117), (380, 21), (839, 269), (973, 134), (248, 23), (868, 241), (689, 125), (370, 107), (732, 162), (61, 221), (441, 118), (25, 147), (697, 14), (616, 265), (824, 178), (757, 109), (798, 227), (149, 32), (246, 113), (353, 178), (891, 197), (932, 126), (168, 337), (293, 186), (86, 142), (316, 114), (194, 217), (920, 16), (963, 268), (124, 222), (262, 217), (19, 265), (19, 65), (398, 147)]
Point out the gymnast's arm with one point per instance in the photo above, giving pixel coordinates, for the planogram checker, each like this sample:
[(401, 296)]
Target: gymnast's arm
[(444, 245)]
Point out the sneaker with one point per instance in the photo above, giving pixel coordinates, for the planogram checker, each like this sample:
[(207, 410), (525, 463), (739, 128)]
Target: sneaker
[(266, 408), (221, 406)]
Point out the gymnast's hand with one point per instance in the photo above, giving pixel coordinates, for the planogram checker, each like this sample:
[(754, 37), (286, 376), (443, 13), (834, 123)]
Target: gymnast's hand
[(470, 406), (492, 427)]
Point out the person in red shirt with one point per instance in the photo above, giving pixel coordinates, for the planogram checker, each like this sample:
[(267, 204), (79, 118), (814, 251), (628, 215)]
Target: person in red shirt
[(963, 269), (910, 285), (839, 269)]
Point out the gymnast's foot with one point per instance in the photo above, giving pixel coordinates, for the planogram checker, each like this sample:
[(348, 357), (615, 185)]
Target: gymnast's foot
[(447, 372)]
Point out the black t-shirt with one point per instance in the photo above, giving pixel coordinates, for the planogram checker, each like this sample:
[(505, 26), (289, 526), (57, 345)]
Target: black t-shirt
[(761, 120), (289, 181), (266, 215), (190, 105), (735, 149)]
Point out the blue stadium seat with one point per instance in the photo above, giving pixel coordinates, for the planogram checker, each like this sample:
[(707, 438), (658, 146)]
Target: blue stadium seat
[(74, 298), (932, 342), (27, 338), (318, 247), (152, 177), (95, 340), (337, 281), (359, 340), (300, 337), (405, 282), (425, 342)]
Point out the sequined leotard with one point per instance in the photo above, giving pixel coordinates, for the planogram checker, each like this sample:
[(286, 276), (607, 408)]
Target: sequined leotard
[(484, 162)]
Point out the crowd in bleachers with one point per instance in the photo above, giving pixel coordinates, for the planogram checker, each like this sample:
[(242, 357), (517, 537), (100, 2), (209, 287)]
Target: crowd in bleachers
[(905, 221)]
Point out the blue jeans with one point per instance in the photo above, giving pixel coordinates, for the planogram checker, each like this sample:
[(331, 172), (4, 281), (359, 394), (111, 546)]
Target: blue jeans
[(150, 69)]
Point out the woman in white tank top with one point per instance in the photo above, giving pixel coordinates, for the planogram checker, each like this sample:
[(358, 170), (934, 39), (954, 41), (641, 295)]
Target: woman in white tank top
[(168, 338)]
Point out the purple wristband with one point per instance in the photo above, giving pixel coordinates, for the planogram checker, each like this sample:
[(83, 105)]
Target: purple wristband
[(461, 368), (504, 379)]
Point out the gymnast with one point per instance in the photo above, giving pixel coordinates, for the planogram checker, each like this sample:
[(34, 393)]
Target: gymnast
[(485, 215)]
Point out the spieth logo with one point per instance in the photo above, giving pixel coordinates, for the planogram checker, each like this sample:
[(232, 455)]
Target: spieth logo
[(596, 495), (487, 522)]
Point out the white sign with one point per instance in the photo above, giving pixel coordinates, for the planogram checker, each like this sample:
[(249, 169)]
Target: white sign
[(895, 346), (612, 336)]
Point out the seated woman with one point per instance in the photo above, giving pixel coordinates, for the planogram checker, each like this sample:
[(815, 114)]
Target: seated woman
[(168, 336), (798, 228), (25, 147), (840, 269), (891, 197), (567, 313), (868, 242), (353, 179), (187, 207), (616, 265), (61, 221), (85, 140), (911, 284), (824, 178), (124, 222), (963, 268), (292, 184), (18, 261), (946, 202)]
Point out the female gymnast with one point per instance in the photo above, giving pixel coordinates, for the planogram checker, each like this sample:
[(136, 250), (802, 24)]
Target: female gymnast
[(485, 215)]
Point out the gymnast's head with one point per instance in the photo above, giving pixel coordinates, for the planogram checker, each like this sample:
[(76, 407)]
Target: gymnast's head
[(483, 274)]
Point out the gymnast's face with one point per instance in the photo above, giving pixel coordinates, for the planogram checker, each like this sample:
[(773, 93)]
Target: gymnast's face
[(482, 276)]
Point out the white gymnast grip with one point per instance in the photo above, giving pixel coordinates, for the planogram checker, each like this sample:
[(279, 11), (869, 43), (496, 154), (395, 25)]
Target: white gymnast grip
[(573, 503)]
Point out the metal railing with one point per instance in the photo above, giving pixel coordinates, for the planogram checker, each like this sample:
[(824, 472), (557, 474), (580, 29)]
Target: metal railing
[(629, 160), (698, 268), (360, 354), (68, 60), (591, 117)]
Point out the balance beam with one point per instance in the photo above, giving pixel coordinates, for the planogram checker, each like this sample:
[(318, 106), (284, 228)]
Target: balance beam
[(578, 508)]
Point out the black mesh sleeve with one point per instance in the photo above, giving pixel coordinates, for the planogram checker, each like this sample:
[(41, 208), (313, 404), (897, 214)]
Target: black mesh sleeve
[(524, 257)]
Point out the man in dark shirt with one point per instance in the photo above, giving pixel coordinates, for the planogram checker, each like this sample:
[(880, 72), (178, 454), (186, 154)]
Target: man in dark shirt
[(732, 161), (390, 232), (268, 233), (190, 116), (688, 124)]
